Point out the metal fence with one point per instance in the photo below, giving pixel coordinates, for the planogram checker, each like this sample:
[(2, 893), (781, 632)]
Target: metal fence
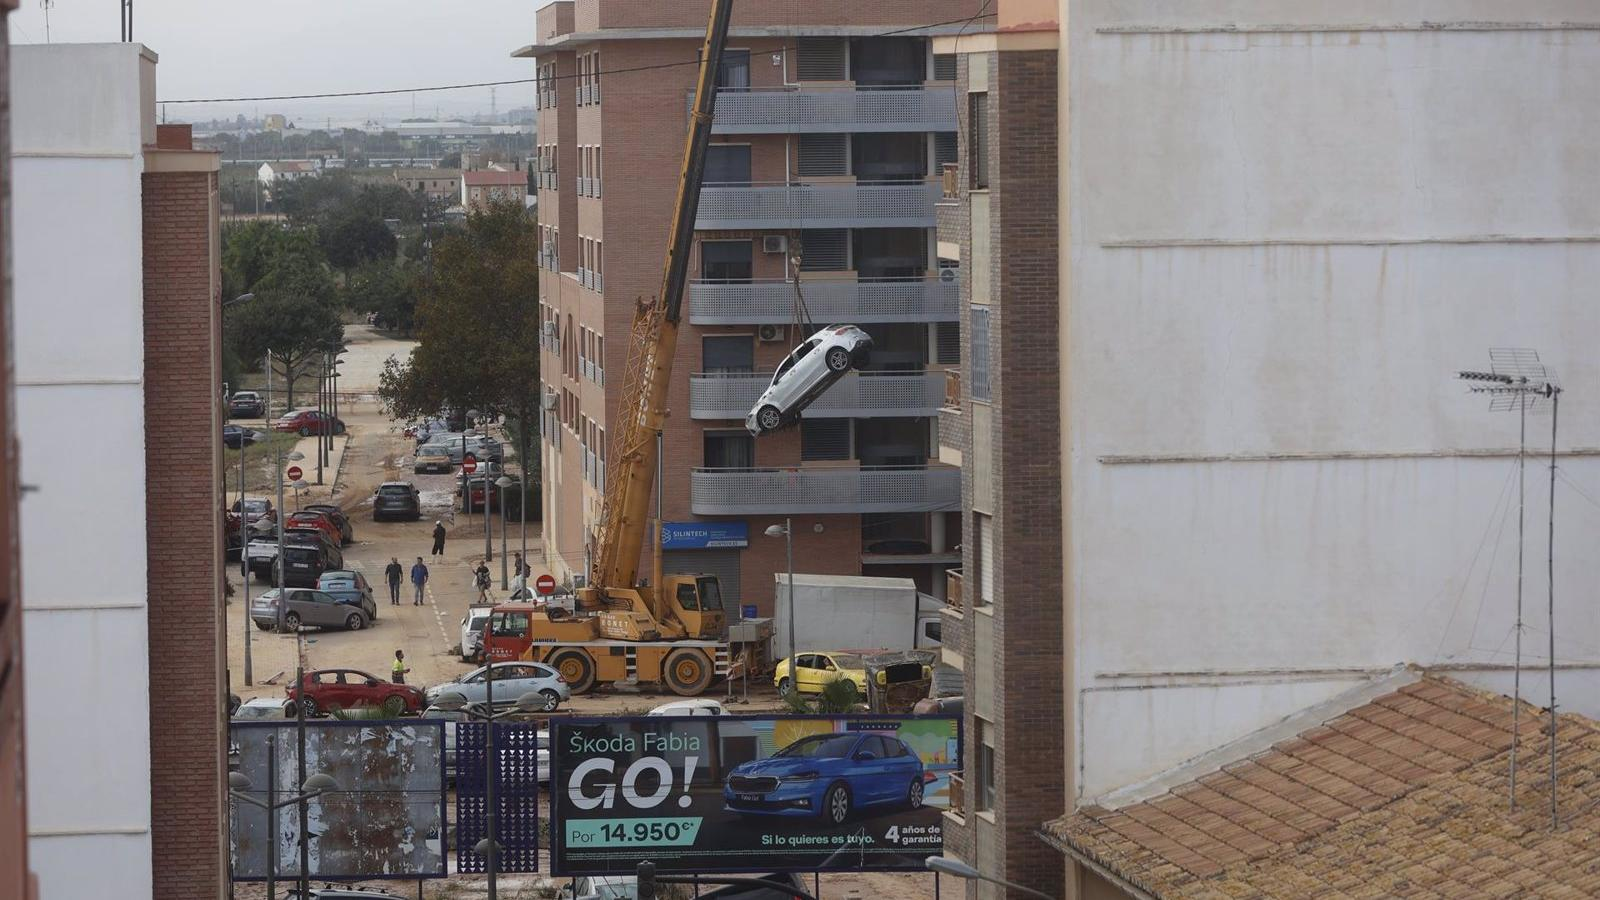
[(771, 301), (857, 395), (825, 490)]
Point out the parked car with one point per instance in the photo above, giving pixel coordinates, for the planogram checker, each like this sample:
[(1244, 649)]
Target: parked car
[(828, 776), (397, 500), (817, 668), (512, 680), (306, 607), (309, 421), (312, 518), (258, 708), (325, 689), (805, 373), (347, 531), (472, 625), (458, 444), (234, 437), (694, 706), (351, 588), (256, 509), (478, 484), (433, 458), (304, 563), (246, 405)]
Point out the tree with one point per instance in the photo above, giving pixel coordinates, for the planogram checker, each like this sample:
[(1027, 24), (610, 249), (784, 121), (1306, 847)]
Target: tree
[(450, 160), (254, 249), (477, 327), (387, 289), (356, 238), (293, 326)]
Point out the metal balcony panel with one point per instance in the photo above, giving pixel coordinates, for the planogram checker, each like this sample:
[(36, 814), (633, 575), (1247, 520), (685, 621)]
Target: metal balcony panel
[(859, 395), (818, 206), (823, 110), (873, 301), (754, 492)]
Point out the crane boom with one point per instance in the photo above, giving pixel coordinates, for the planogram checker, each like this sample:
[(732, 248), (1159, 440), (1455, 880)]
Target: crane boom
[(654, 338)]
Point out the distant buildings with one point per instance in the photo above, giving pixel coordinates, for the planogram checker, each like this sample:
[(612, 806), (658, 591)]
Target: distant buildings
[(286, 170), (437, 184), (483, 187), (275, 122)]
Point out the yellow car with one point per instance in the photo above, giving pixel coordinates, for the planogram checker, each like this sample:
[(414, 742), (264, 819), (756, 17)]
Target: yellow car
[(818, 667)]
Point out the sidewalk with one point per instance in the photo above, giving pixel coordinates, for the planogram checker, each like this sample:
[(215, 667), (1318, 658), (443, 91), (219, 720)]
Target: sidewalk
[(307, 447)]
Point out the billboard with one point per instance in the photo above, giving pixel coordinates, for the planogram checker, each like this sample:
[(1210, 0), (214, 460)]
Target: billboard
[(750, 793), (704, 535), (520, 750), (387, 820)]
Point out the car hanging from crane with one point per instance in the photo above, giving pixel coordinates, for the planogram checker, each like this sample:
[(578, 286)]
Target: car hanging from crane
[(810, 369)]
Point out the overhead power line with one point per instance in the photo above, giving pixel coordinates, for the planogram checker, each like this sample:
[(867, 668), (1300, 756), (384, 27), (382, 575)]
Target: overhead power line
[(964, 22)]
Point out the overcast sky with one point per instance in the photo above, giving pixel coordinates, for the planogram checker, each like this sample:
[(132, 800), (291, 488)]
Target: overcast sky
[(229, 48)]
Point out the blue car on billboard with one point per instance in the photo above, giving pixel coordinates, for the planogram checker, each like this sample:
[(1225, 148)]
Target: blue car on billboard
[(828, 776)]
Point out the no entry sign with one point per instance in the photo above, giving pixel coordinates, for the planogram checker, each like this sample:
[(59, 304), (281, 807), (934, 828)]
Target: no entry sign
[(545, 584), (469, 464), (294, 473)]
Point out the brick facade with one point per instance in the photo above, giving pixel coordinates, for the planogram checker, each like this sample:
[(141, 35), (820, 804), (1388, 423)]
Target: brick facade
[(1025, 710), (182, 335)]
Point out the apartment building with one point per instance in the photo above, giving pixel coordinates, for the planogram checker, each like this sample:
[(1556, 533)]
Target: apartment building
[(482, 187), (435, 184), (1233, 255), (831, 123), (122, 610)]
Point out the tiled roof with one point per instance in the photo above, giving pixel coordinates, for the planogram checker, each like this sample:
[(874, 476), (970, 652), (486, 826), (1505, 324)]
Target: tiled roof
[(490, 177), (1403, 796), (292, 165)]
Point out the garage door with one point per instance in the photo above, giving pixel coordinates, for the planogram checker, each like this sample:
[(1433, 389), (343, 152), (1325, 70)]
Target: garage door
[(722, 563)]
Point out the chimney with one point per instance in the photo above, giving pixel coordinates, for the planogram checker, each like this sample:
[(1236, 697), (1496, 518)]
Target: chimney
[(174, 137)]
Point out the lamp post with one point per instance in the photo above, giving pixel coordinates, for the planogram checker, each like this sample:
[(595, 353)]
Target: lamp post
[(786, 531), (945, 866), (455, 701), (315, 785), (244, 537), (502, 483), (277, 564)]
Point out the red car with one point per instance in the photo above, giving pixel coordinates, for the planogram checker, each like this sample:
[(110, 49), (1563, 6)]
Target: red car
[(308, 421), (328, 689), (307, 518)]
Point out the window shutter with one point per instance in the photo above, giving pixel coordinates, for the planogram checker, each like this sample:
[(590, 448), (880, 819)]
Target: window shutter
[(824, 154), (947, 343), (978, 355), (824, 249), (822, 59), (824, 439)]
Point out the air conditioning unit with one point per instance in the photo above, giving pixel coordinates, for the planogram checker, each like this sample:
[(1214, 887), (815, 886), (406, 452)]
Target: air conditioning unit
[(549, 398), (550, 329), (770, 334), (774, 243), (948, 274)]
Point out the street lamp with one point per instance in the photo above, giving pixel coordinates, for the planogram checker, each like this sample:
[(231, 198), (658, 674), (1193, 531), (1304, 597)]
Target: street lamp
[(455, 701), (315, 785), (277, 564), (786, 531), (502, 483), (946, 866), (244, 538)]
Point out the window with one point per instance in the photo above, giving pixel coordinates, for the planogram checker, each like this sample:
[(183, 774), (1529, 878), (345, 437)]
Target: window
[(688, 598), (727, 260), (824, 249), (983, 559), (822, 59), (983, 779), (509, 625), (945, 148), (594, 73), (824, 439), (734, 72), (947, 343), (944, 67), (728, 354), (876, 61), (978, 140), (874, 745), (978, 353), (729, 450), (823, 154), (728, 164)]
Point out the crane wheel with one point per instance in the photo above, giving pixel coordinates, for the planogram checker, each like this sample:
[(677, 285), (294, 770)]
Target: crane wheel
[(688, 672), (576, 669)]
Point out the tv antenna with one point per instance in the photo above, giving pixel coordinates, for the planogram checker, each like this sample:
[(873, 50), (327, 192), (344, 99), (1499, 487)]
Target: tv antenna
[(1517, 380), (45, 5), (127, 20)]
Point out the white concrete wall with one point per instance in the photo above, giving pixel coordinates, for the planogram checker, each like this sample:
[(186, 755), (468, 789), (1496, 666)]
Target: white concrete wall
[(80, 115), (1284, 240)]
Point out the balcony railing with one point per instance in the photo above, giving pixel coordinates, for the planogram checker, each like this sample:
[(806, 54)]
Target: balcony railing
[(737, 492), (950, 175), (958, 792), (857, 395), (952, 389), (815, 110), (771, 301), (952, 589), (844, 205)]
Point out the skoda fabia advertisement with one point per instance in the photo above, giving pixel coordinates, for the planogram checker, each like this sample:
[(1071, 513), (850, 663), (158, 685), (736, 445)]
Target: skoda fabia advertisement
[(751, 794)]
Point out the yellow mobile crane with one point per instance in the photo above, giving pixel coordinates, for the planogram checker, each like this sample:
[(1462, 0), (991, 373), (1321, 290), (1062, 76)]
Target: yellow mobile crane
[(670, 629)]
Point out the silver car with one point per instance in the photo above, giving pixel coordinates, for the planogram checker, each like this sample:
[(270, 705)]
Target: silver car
[(307, 607), (808, 370), (511, 681)]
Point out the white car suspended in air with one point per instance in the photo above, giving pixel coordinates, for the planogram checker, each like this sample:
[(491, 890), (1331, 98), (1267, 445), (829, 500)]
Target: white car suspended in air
[(808, 370)]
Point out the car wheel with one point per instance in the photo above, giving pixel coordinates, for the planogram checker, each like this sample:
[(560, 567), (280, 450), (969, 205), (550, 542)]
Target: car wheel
[(838, 359), (576, 667), (394, 706), (291, 621), (304, 431), (769, 419), (309, 705), (687, 672), (914, 797), (551, 700), (354, 622), (783, 687), (836, 804)]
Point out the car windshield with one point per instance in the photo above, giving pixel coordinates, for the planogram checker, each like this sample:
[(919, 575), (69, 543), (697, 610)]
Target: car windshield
[(433, 451), (827, 746), (258, 711), (710, 594), (251, 506)]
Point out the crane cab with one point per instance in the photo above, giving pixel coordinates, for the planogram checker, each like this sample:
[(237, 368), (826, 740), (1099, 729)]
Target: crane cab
[(697, 602), (686, 606)]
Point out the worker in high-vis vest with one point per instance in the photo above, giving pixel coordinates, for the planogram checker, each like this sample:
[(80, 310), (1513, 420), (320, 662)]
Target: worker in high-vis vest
[(399, 668)]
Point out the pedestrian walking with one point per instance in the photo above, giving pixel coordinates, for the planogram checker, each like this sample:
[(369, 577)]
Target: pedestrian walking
[(394, 573), (419, 580), (438, 538), (398, 670), (481, 578)]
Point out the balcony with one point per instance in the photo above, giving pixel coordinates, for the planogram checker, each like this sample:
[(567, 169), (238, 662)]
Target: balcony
[(952, 589), (818, 110), (771, 301), (858, 395), (757, 492), (950, 181), (838, 205)]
